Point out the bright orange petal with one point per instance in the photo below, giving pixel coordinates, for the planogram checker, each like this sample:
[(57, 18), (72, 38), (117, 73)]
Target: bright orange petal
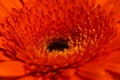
[(11, 68), (92, 72)]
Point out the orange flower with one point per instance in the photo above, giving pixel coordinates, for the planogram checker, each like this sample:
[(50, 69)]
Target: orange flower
[(60, 40)]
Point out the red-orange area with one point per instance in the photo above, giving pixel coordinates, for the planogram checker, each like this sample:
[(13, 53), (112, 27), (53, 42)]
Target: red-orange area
[(26, 28)]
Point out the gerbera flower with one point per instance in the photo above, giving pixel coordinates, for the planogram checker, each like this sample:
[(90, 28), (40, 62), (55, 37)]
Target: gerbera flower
[(60, 40)]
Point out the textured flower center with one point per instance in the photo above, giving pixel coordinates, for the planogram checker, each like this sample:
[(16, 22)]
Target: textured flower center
[(59, 45)]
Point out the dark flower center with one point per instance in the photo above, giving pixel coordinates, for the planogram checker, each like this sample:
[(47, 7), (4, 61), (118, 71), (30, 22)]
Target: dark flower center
[(58, 45)]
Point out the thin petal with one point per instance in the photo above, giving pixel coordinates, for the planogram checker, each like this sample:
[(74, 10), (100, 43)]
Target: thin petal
[(28, 78), (114, 6), (100, 2), (6, 6)]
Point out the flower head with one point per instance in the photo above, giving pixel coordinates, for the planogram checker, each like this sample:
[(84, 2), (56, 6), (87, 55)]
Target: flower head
[(61, 39)]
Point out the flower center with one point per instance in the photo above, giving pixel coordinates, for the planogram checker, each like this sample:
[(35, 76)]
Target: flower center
[(58, 45)]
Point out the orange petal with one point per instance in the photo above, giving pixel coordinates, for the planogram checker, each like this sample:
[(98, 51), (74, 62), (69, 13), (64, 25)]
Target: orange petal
[(114, 67), (92, 72), (11, 69)]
